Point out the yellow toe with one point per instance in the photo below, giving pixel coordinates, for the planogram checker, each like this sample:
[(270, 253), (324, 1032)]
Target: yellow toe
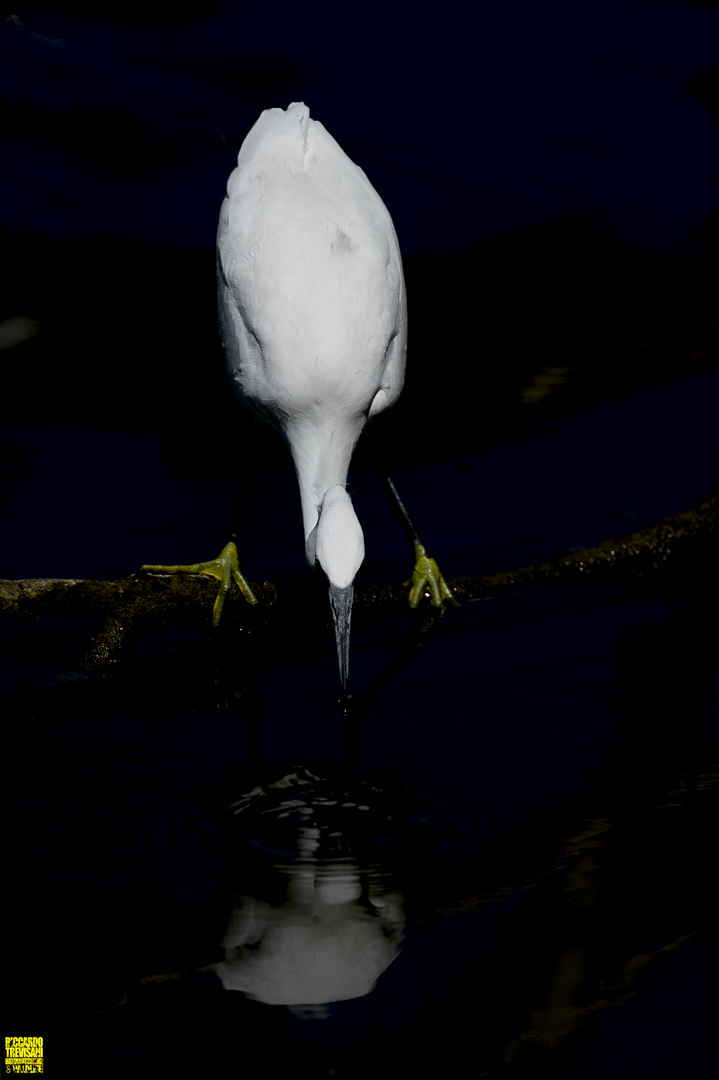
[(427, 580), (225, 569)]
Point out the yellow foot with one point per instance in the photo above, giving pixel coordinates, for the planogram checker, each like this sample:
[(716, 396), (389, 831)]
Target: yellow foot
[(427, 576), (226, 568)]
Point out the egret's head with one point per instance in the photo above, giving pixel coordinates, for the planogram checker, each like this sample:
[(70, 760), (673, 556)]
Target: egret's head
[(336, 540)]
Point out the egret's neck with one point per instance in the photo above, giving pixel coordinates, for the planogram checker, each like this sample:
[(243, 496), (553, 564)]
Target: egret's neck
[(321, 452)]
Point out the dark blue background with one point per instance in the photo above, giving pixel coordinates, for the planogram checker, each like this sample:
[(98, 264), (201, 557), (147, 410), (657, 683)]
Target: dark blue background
[(469, 120)]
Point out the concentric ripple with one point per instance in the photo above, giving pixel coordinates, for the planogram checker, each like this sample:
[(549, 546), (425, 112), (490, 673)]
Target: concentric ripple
[(374, 815)]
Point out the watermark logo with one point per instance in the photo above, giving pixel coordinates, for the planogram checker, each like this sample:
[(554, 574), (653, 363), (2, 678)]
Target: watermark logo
[(23, 1054)]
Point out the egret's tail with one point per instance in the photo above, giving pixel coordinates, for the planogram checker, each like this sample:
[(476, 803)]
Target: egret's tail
[(277, 132)]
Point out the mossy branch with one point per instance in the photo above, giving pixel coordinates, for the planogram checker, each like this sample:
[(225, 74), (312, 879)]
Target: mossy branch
[(121, 607)]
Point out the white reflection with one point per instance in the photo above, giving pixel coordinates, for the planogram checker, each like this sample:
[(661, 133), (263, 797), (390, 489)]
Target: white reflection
[(330, 941)]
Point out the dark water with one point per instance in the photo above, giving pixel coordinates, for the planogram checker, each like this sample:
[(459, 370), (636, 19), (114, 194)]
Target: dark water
[(510, 873)]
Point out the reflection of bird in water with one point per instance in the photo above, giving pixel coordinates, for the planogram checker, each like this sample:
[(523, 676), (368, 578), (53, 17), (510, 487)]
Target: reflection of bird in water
[(313, 321), (326, 943)]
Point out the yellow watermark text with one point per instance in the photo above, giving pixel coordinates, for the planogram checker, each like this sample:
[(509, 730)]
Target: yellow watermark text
[(23, 1054)]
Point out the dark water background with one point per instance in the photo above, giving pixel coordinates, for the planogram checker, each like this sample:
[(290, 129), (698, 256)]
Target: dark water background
[(550, 754)]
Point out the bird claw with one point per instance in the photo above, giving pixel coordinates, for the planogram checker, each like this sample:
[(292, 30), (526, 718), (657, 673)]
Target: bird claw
[(225, 568), (427, 579)]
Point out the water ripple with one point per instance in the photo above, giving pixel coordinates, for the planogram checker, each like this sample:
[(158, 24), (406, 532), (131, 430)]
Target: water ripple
[(379, 816)]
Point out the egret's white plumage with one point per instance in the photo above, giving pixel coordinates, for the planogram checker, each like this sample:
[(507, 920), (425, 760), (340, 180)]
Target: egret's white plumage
[(313, 314)]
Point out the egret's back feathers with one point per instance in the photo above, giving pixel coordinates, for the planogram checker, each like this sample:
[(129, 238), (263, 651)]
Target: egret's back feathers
[(310, 275)]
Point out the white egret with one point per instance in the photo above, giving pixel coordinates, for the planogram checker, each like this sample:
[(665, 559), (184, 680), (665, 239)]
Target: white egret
[(313, 320)]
